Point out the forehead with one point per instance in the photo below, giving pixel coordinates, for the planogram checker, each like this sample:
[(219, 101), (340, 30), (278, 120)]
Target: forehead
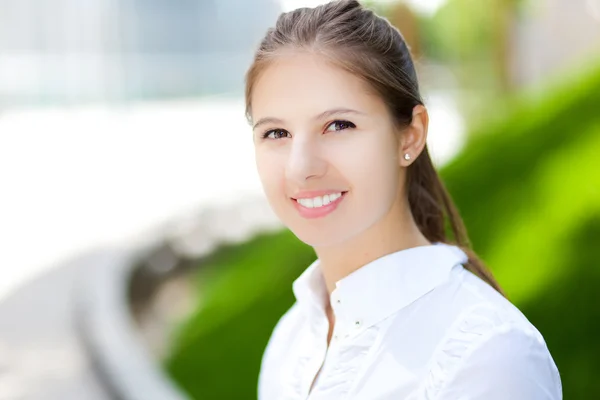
[(303, 84)]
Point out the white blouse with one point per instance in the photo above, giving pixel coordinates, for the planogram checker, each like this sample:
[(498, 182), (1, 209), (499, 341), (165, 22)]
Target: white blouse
[(411, 325)]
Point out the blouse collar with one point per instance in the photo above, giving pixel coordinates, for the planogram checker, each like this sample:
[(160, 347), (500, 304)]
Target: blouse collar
[(379, 288)]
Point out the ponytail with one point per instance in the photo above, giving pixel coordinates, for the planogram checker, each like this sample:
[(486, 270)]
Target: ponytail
[(433, 209)]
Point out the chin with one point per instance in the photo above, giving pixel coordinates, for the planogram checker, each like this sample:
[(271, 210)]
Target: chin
[(319, 237)]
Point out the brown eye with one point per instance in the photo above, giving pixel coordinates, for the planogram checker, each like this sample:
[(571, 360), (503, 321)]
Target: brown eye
[(275, 134), (340, 126)]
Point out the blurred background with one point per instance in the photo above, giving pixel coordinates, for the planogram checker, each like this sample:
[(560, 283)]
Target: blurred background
[(138, 257)]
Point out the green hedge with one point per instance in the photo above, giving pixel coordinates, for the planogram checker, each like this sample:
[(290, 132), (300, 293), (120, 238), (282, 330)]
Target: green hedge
[(528, 188)]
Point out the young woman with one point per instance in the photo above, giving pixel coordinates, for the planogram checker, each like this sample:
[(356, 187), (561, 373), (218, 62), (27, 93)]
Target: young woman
[(392, 308)]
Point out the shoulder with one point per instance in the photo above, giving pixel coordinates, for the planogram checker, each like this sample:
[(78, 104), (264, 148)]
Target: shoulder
[(491, 351), (282, 331)]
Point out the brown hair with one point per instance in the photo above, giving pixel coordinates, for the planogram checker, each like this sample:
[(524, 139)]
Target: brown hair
[(357, 40)]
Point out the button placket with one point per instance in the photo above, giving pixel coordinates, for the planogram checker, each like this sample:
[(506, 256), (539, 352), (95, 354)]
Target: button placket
[(317, 362), (335, 304)]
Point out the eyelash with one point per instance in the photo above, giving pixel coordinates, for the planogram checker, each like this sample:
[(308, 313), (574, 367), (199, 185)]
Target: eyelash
[(338, 121)]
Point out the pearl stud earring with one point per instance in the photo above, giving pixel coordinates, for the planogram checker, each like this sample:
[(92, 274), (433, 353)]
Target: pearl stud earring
[(407, 157)]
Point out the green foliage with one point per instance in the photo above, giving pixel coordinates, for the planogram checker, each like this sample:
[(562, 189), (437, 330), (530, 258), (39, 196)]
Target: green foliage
[(466, 29), (528, 188), (462, 29), (474, 39), (527, 171)]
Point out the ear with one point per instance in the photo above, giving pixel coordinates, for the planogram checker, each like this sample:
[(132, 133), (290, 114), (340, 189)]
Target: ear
[(414, 137)]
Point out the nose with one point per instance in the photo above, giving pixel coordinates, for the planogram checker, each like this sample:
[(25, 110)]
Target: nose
[(305, 160)]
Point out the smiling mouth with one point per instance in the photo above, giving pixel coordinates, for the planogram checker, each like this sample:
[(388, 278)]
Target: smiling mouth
[(320, 201)]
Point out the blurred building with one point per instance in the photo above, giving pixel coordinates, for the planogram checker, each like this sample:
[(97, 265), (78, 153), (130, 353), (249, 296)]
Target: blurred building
[(553, 35), (67, 51)]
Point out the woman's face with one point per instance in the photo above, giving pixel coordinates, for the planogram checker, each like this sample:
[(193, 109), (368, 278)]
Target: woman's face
[(319, 131)]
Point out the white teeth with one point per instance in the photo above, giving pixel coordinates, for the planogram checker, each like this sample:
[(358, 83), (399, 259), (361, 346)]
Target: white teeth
[(319, 201), (308, 203)]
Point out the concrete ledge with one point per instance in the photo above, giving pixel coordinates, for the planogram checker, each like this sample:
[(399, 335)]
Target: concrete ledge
[(109, 334), (103, 309)]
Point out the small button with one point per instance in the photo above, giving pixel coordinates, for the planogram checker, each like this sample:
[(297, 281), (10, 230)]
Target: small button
[(357, 323), (338, 301)]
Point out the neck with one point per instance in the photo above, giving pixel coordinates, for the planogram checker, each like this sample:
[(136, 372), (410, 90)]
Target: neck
[(395, 232)]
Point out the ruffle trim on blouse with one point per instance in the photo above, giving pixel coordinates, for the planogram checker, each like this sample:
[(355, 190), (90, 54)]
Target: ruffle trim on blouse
[(293, 387), (338, 372), (345, 363), (469, 329)]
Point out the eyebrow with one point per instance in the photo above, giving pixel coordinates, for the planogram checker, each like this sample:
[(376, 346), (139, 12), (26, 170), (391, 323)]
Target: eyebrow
[(328, 113)]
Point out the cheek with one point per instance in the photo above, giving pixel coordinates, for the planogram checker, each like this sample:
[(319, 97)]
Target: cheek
[(371, 166), (375, 179), (270, 169)]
